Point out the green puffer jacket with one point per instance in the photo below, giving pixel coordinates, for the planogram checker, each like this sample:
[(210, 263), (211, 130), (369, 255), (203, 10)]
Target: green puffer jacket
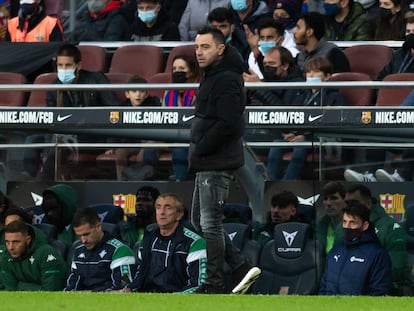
[(40, 268), (356, 26)]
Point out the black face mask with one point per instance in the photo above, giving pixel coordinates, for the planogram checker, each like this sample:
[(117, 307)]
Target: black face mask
[(179, 77), (352, 234), (385, 13), (409, 41), (28, 9), (269, 73)]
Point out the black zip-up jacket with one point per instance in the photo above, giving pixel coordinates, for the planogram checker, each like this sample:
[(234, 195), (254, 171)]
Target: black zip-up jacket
[(89, 98), (217, 129)]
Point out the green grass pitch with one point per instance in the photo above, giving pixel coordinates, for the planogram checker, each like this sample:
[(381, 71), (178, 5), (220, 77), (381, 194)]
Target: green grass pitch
[(47, 301)]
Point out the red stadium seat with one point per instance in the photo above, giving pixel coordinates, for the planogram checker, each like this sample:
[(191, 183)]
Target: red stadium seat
[(141, 60), (163, 77), (394, 96), (12, 98), (355, 96), (38, 98), (93, 58)]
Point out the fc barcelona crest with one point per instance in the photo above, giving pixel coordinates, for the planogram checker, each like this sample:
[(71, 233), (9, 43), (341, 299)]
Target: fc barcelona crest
[(366, 117), (114, 117)]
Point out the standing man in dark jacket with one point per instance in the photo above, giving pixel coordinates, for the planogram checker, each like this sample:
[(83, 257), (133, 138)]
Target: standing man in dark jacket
[(359, 265), (216, 146)]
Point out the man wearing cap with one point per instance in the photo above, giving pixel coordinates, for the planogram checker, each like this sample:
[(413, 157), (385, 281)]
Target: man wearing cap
[(32, 24), (346, 21)]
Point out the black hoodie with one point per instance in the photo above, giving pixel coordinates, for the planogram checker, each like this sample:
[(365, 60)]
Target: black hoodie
[(218, 126)]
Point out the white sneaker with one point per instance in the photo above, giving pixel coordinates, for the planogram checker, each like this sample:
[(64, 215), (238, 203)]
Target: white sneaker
[(353, 176), (384, 176), (247, 281)]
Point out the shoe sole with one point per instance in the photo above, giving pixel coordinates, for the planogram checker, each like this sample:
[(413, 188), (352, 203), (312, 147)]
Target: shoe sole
[(383, 176), (350, 176), (247, 281)]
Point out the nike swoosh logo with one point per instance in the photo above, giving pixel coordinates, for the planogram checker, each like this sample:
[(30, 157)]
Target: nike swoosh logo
[(63, 118), (188, 118), (313, 118)]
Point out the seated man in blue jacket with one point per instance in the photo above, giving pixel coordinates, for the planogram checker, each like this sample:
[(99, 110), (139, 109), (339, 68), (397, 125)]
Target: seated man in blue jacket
[(359, 265)]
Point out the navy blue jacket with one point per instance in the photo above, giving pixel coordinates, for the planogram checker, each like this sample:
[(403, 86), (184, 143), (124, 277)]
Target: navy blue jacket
[(360, 267)]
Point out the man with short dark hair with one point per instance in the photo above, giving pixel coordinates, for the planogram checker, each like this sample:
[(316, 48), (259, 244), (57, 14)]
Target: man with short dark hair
[(358, 265), (132, 230), (333, 194), (216, 147), (283, 208), (390, 234), (153, 23), (309, 32), (30, 264), (101, 263), (171, 258)]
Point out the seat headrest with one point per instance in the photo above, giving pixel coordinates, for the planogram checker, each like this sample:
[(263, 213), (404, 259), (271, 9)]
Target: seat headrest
[(409, 220), (108, 212), (237, 232), (290, 239)]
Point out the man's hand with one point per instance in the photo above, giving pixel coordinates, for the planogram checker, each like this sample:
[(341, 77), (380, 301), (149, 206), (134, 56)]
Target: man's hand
[(290, 137), (252, 39), (251, 76)]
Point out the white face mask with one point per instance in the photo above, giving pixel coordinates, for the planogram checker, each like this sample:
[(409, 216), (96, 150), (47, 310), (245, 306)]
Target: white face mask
[(66, 76), (313, 80)]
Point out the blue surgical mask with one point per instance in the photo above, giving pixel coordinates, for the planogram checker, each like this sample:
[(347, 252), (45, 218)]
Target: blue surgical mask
[(66, 76), (264, 46), (331, 9), (228, 40), (147, 16), (239, 5), (313, 80)]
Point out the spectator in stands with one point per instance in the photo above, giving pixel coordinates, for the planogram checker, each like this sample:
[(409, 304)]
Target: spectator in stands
[(59, 203), (184, 70), (69, 71), (5, 204), (268, 34), (317, 69), (195, 16), (309, 32), (223, 19), (101, 263), (5, 9), (389, 23), (358, 265), (171, 258), (216, 149), (346, 21), (246, 14), (132, 230), (278, 66), (402, 59), (333, 201), (33, 25), (30, 264), (134, 98), (286, 12), (153, 23), (390, 234), (103, 21), (284, 207)]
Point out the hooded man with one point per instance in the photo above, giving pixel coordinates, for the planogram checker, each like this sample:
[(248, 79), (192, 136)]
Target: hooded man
[(60, 203)]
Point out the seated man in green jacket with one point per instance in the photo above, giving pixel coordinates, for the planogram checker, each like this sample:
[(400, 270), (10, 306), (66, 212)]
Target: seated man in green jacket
[(30, 264)]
